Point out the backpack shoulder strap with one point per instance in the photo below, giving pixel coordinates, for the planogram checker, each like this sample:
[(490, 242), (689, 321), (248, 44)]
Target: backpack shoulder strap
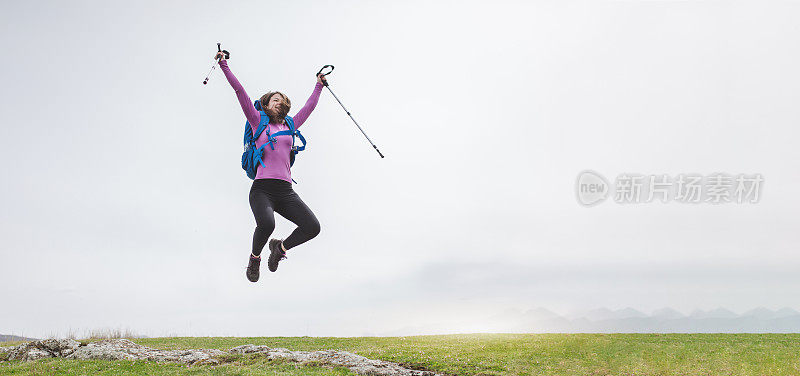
[(290, 123), (261, 125)]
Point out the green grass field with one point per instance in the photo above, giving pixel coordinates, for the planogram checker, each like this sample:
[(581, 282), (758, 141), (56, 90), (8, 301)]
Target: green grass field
[(479, 354)]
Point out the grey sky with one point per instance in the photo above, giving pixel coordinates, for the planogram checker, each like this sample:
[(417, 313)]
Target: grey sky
[(124, 205)]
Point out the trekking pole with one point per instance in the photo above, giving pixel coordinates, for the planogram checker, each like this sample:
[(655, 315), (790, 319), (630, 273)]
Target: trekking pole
[(325, 82), (227, 56)]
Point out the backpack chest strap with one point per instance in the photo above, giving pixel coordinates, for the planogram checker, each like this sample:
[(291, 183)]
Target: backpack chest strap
[(272, 137), (271, 140)]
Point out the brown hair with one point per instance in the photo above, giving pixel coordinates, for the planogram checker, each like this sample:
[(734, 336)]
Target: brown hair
[(283, 107)]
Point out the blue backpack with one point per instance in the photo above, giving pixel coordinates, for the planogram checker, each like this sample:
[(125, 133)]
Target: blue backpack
[(253, 156)]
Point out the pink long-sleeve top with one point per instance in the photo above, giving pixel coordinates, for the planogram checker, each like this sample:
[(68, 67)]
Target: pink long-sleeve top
[(276, 161)]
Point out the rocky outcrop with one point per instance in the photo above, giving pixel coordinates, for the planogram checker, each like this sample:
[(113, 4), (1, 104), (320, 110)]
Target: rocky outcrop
[(112, 349), (123, 349), (48, 348), (356, 363)]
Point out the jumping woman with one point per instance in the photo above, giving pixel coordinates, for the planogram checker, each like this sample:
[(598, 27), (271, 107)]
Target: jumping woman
[(272, 187)]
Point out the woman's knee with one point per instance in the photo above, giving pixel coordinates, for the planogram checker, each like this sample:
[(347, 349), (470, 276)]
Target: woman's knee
[(312, 228), (265, 224)]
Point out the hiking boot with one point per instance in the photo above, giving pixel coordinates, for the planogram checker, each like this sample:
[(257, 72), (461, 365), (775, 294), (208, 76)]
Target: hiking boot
[(276, 254), (253, 268)]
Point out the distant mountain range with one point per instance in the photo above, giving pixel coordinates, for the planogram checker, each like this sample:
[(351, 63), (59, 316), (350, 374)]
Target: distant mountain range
[(629, 320), (604, 320), (9, 338)]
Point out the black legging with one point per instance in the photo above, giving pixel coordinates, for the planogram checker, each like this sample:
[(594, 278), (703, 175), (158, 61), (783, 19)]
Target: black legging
[(275, 195)]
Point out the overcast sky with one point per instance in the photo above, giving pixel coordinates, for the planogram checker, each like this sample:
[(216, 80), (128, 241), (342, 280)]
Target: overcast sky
[(124, 205)]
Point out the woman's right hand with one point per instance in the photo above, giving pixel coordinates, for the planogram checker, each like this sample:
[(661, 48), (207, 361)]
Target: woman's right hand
[(220, 56)]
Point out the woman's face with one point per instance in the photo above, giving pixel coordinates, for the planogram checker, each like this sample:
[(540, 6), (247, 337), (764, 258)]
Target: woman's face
[(274, 102)]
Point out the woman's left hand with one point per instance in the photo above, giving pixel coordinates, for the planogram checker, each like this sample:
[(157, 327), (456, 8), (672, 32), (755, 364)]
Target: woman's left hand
[(321, 79)]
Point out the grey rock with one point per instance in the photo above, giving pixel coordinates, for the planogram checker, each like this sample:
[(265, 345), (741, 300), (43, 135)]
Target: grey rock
[(123, 349), (47, 348), (356, 363)]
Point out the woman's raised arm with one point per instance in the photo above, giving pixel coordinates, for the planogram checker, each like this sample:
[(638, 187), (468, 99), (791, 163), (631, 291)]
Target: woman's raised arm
[(250, 112), (305, 112)]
